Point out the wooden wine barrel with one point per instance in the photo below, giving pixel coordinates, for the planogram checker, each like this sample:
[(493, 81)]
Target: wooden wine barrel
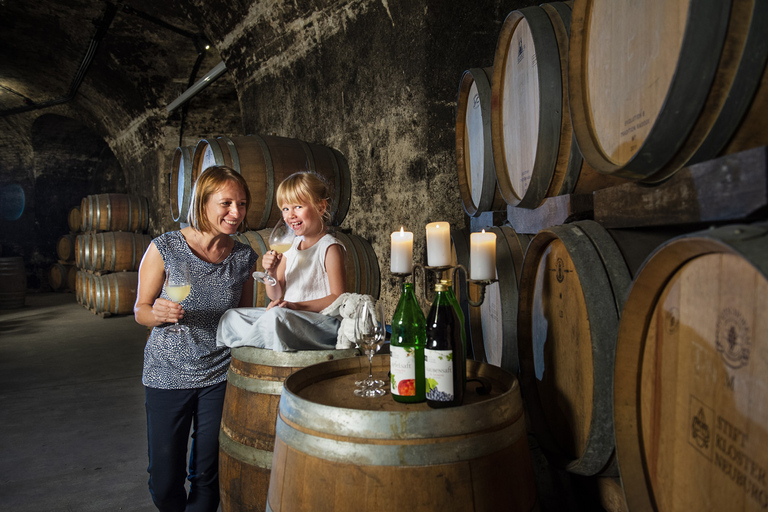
[(534, 150), (474, 151), (115, 212), (115, 293), (181, 183), (89, 286), (691, 375), (246, 440), (338, 452), (116, 251), (63, 277), (265, 161), (13, 282), (66, 247), (362, 266), (496, 335), (655, 86), (74, 220), (572, 286)]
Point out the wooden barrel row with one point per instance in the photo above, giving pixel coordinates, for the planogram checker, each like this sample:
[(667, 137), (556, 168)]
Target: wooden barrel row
[(114, 212), (264, 161), (581, 100), (113, 293), (111, 251), (654, 336)]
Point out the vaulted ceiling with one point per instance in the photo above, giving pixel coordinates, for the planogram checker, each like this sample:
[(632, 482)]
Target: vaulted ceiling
[(143, 52)]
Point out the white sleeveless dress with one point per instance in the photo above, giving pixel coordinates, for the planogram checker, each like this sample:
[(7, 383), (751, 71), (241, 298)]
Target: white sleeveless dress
[(282, 329)]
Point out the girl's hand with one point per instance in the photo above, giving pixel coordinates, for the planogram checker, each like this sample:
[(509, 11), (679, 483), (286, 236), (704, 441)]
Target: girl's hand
[(270, 261), (166, 311), (280, 303)]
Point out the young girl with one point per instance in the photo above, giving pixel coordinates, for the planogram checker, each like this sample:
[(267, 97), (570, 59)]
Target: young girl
[(310, 276)]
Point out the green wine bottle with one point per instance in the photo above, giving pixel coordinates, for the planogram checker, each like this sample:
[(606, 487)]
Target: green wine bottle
[(407, 349), (443, 354)]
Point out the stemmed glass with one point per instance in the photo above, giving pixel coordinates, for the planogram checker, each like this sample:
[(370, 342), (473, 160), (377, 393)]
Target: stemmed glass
[(370, 332), (280, 240), (178, 285)]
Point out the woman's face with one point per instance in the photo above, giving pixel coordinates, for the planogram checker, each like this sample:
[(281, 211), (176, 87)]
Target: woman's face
[(226, 208)]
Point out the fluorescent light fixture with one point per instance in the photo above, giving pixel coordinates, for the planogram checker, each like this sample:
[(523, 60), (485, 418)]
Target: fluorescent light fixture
[(198, 86)]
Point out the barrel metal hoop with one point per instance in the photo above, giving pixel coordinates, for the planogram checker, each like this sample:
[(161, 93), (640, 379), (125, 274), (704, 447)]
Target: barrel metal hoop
[(311, 165), (270, 175), (130, 215), (264, 387), (233, 154), (298, 359), (457, 450), (114, 252), (247, 454)]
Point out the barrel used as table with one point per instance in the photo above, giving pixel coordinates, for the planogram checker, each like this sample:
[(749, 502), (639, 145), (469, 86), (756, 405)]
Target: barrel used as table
[(254, 383), (337, 452)]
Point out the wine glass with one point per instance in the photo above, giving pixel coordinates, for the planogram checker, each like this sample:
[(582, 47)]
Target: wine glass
[(178, 285), (280, 240), (370, 332)]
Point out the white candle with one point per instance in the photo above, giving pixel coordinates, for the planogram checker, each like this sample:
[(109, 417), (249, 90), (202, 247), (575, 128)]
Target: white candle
[(482, 256), (438, 244), (402, 252)]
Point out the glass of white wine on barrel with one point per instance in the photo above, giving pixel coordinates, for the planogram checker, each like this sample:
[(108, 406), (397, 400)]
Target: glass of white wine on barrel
[(178, 285), (370, 332), (280, 240)]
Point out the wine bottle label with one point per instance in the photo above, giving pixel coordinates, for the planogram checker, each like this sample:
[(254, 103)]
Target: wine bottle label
[(438, 371), (402, 366)]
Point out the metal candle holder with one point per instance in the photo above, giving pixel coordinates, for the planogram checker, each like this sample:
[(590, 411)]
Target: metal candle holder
[(482, 283)]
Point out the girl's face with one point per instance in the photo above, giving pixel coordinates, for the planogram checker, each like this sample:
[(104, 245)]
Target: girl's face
[(304, 219), (226, 208)]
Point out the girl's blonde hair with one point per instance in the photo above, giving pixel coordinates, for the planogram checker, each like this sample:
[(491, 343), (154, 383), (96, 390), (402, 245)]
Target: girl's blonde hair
[(209, 181), (306, 188)]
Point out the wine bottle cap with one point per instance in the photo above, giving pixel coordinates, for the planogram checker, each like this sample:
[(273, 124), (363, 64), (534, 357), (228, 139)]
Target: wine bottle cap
[(441, 287), (447, 283)]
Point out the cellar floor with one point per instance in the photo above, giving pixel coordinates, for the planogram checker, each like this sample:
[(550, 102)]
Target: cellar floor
[(72, 421)]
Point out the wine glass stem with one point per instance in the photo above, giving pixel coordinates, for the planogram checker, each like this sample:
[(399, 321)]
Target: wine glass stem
[(370, 365)]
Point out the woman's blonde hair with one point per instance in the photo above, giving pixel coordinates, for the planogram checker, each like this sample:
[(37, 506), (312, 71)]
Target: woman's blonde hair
[(306, 188), (209, 181)]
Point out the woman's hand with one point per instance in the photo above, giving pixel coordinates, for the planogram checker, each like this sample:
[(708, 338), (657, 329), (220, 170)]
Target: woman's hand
[(270, 261), (166, 311)]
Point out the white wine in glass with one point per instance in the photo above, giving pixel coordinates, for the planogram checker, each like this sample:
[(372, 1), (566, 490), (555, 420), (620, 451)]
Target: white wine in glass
[(178, 285), (280, 240)]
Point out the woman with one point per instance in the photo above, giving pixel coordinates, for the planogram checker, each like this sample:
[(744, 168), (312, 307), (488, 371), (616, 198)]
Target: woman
[(185, 373)]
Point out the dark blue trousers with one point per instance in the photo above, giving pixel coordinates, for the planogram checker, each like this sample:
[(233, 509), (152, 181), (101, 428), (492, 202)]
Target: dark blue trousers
[(170, 414)]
